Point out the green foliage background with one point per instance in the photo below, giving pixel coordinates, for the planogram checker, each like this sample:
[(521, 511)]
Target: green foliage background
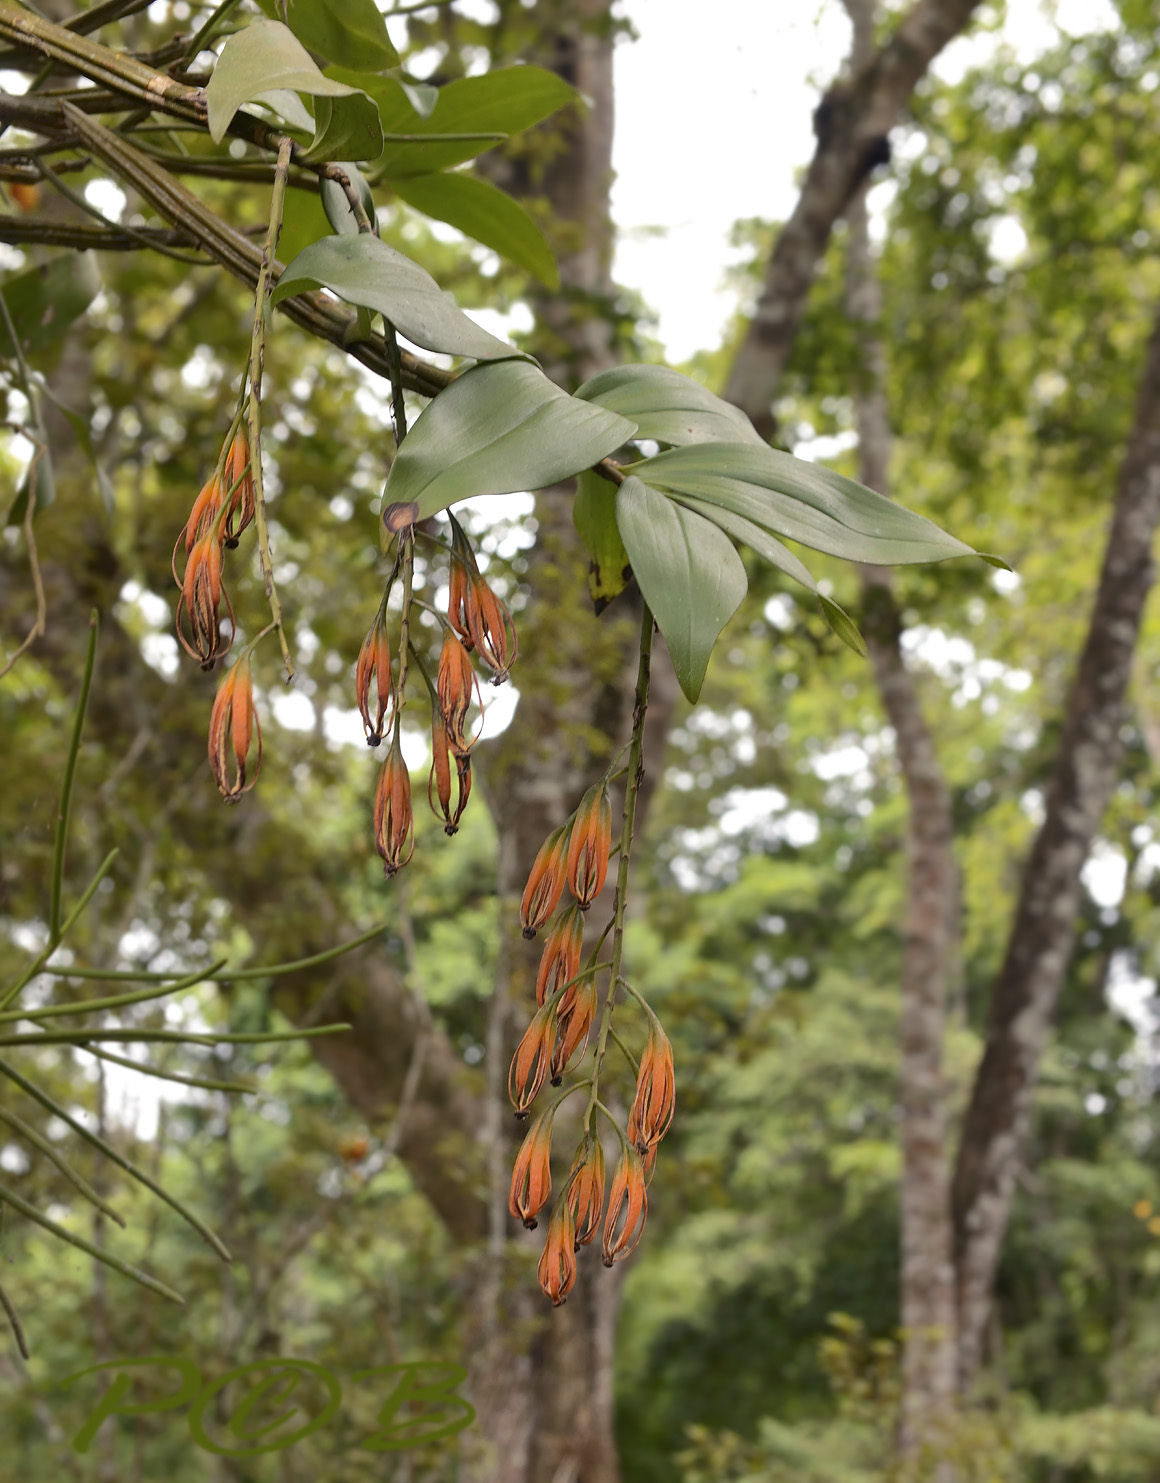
[(766, 927)]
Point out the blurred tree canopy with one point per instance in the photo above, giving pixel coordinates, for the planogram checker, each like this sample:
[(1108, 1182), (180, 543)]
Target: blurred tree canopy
[(757, 1333)]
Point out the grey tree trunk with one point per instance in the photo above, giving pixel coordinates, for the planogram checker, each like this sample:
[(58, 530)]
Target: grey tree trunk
[(927, 1268), (1044, 927), (852, 123)]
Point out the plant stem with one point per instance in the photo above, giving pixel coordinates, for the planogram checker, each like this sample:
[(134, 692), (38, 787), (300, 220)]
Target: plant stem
[(117, 1001), (66, 786), (38, 962), (203, 37), (398, 409), (254, 417), (112, 69), (407, 548), (631, 792)]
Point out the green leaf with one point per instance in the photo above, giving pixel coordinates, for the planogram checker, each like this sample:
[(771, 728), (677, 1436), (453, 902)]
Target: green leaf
[(345, 126), (803, 502), (753, 536), (496, 429), (363, 270), (843, 625), (421, 95), (267, 56), (669, 407), (44, 301), (688, 570), (594, 511), (783, 558), (350, 33), (504, 101), (480, 210), (336, 205)]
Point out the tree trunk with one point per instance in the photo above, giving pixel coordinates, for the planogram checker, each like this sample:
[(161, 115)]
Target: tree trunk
[(927, 1269), (1044, 927), (852, 123)]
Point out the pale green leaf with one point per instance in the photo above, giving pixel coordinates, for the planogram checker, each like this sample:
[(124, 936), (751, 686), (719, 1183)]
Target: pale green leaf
[(503, 101), (802, 501), (345, 126), (688, 570), (669, 407), (496, 429), (363, 270), (843, 625), (594, 511), (265, 57), (479, 210), (349, 33), (44, 301)]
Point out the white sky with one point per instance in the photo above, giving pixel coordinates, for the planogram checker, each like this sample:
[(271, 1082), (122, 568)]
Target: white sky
[(714, 109)]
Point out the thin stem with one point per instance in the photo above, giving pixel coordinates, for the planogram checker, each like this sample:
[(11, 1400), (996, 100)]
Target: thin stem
[(30, 1212), (37, 963), (628, 1055), (54, 933), (15, 1324), (30, 1135), (111, 69), (257, 356), (117, 1001), (205, 1083), (398, 409), (81, 1036), (51, 1105), (82, 203), (214, 973), (205, 34), (353, 198), (631, 792), (41, 622)]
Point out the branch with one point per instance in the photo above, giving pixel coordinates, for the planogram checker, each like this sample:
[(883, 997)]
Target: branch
[(852, 123), (1043, 932), (235, 252)]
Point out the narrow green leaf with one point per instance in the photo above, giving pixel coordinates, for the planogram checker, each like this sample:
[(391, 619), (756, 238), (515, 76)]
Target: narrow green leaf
[(345, 126), (504, 101), (481, 211), (62, 1233), (843, 625), (780, 556), (350, 33), (803, 502), (688, 570), (754, 537), (45, 301), (496, 429), (267, 56), (50, 1105), (364, 270), (594, 511), (669, 407)]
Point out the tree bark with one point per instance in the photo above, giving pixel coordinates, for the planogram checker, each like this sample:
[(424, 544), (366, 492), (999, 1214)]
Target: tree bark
[(927, 1268), (1044, 926), (546, 1414), (852, 124)]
